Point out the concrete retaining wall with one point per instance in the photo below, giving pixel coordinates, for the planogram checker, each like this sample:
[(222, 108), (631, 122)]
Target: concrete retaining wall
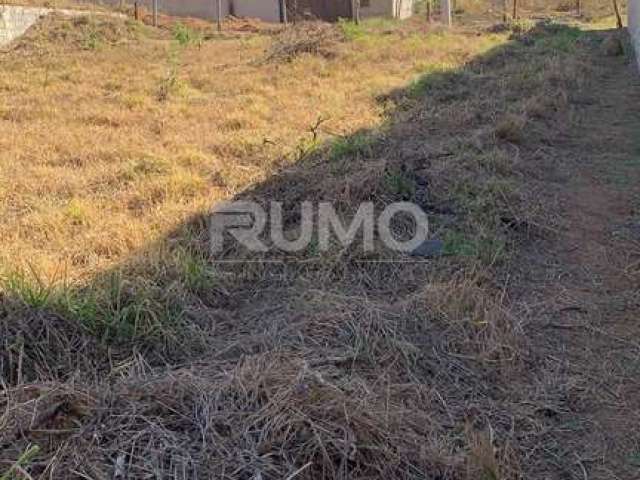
[(14, 21), (634, 26)]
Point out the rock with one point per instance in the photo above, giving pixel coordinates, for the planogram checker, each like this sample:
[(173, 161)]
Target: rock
[(429, 249), (612, 46)]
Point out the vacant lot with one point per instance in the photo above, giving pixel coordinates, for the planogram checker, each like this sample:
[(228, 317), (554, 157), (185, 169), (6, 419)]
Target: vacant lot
[(128, 353), (113, 134)]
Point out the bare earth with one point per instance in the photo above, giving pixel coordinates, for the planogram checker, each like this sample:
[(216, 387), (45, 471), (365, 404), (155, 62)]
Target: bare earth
[(585, 286)]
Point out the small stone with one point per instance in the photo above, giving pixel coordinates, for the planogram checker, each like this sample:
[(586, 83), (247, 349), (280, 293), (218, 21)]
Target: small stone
[(429, 249)]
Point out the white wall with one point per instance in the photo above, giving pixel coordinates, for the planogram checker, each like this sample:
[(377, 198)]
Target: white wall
[(205, 9), (388, 8), (634, 25), (377, 8), (14, 21), (267, 10), (403, 9)]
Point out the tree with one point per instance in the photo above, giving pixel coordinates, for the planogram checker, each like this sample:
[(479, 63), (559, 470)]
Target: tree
[(445, 12), (355, 11), (283, 11), (616, 9), (515, 9)]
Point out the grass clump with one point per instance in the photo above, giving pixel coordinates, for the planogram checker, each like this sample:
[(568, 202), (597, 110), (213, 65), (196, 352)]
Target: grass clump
[(185, 36), (358, 144), (351, 30)]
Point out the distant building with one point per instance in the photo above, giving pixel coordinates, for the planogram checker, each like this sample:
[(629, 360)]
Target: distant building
[(332, 10), (271, 10)]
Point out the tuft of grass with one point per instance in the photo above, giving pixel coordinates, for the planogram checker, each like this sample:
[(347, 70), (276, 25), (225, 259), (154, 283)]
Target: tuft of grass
[(562, 40), (93, 40), (511, 128), (356, 145), (30, 287), (351, 30), (196, 272), (185, 36), (15, 471)]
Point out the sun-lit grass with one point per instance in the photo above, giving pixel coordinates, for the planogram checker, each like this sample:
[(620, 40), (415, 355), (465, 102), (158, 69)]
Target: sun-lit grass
[(112, 134)]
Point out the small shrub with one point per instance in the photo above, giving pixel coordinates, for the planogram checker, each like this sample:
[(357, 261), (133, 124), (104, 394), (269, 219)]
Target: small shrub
[(30, 288), (92, 42), (185, 35), (311, 38)]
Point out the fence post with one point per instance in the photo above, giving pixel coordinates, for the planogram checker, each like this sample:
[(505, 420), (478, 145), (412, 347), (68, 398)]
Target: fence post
[(446, 12), (219, 14), (155, 13), (283, 11)]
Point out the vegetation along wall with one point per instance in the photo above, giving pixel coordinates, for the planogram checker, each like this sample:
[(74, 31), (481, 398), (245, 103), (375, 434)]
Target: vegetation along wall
[(634, 26)]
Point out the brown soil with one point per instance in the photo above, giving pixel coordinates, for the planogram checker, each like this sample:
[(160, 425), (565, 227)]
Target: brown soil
[(585, 286)]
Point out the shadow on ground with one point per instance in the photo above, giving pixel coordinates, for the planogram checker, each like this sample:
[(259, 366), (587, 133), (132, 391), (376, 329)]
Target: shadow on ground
[(340, 364)]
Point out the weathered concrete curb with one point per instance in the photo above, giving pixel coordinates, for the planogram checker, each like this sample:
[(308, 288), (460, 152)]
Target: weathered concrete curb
[(634, 26)]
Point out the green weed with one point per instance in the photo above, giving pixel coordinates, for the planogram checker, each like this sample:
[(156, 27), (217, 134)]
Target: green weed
[(26, 457), (185, 35), (29, 288), (351, 30), (563, 39), (93, 40), (358, 144)]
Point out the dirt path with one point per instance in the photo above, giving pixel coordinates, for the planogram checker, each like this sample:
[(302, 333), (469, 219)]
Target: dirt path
[(586, 286)]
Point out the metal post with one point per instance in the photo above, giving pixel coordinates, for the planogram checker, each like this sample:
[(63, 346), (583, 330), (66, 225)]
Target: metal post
[(283, 11), (446, 12), (155, 13), (219, 13)]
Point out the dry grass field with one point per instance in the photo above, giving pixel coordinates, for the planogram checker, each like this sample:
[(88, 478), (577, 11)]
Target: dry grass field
[(113, 134), (127, 353)]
